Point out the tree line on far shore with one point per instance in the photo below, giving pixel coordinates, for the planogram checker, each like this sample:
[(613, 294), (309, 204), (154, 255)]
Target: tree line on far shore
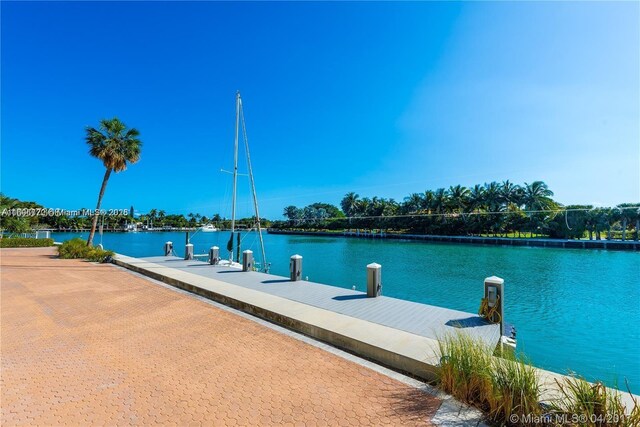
[(495, 209), (154, 219)]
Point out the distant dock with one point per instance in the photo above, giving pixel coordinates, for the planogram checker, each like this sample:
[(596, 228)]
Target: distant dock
[(627, 245)]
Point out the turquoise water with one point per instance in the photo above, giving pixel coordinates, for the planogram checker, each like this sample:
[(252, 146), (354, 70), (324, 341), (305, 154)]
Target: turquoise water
[(574, 309)]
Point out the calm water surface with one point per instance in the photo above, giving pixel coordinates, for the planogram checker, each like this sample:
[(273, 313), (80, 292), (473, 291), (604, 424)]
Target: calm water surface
[(574, 309)]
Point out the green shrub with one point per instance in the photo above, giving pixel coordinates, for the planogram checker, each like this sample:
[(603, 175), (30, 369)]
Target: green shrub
[(23, 242), (78, 249)]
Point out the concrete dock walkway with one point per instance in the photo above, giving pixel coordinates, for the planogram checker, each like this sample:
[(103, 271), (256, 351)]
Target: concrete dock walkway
[(84, 344), (400, 334)]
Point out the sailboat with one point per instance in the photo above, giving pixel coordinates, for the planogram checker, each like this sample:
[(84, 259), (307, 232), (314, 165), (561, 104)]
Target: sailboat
[(234, 261)]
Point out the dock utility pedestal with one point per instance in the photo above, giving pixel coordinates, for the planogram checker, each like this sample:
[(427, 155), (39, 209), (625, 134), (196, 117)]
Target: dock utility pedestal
[(168, 248), (494, 297), (295, 268), (247, 260), (214, 255), (188, 251), (374, 280)]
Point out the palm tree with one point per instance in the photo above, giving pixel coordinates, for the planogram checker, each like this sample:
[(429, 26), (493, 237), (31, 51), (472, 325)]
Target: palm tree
[(537, 196), (115, 146), (440, 200), (428, 200), (413, 202), (492, 196), (476, 197), (627, 214), (349, 204), (509, 193), (389, 207), (291, 213), (152, 215), (363, 206), (459, 197)]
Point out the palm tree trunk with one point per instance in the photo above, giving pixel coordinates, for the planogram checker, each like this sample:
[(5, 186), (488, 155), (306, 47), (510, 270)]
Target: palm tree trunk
[(97, 212), (624, 229)]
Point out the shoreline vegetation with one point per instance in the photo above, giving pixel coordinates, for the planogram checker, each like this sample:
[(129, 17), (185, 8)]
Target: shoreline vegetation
[(484, 210), (491, 210), (509, 390)]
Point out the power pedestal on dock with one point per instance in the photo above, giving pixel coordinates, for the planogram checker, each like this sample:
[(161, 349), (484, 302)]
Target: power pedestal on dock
[(247, 260), (295, 268), (494, 293), (168, 248), (374, 280), (214, 255), (188, 251)]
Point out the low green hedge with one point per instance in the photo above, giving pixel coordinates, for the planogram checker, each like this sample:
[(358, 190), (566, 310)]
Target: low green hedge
[(78, 249), (24, 242)]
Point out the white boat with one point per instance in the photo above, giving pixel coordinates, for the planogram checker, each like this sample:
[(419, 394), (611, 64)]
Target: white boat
[(207, 228), (234, 261)]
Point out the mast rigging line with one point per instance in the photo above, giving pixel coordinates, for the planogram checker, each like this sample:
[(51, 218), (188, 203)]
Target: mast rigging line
[(240, 121), (253, 186)]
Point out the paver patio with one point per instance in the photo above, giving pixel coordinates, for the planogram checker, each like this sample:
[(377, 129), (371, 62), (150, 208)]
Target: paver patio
[(84, 343)]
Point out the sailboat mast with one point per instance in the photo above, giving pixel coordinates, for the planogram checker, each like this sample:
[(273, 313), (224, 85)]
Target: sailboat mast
[(235, 171), (265, 266)]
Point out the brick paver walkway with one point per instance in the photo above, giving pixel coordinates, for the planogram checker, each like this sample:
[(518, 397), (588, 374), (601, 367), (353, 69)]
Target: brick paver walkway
[(92, 344)]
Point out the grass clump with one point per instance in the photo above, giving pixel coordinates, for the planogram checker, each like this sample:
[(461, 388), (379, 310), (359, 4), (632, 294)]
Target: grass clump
[(507, 389), (593, 404), (515, 390), (465, 369), (24, 242), (78, 249), (498, 386)]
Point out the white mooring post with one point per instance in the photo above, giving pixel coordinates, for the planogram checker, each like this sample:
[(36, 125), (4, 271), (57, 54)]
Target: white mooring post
[(494, 293), (214, 255), (295, 268), (247, 260), (188, 251), (374, 280), (168, 248)]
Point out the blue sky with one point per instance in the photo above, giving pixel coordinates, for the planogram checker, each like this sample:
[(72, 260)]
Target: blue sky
[(379, 98)]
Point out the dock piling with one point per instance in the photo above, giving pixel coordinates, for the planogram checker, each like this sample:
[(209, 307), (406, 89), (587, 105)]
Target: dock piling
[(188, 251), (374, 280), (168, 248), (214, 255), (247, 260), (295, 268)]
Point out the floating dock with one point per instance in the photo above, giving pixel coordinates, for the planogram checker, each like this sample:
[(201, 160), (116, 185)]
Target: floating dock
[(397, 333)]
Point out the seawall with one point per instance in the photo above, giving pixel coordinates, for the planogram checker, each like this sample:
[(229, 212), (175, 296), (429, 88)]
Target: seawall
[(628, 245)]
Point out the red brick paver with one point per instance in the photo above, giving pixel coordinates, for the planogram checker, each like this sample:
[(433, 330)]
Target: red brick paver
[(91, 344)]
